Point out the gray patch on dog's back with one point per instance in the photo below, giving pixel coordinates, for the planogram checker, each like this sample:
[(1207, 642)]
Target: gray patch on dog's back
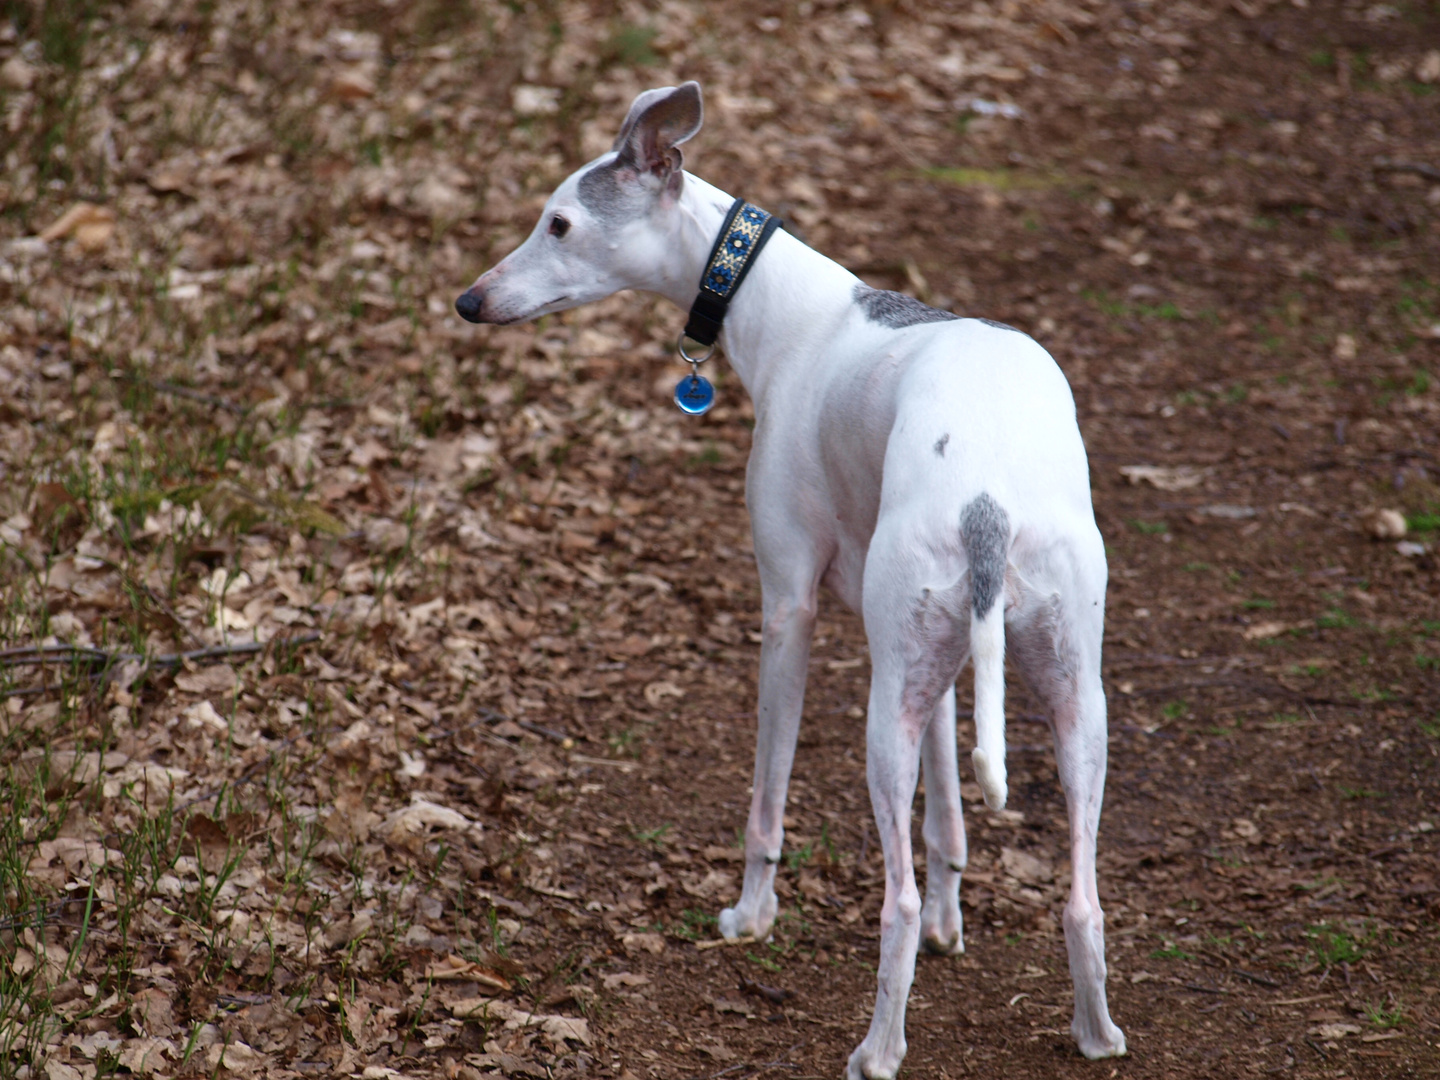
[(985, 532), (940, 444), (896, 310), (998, 325)]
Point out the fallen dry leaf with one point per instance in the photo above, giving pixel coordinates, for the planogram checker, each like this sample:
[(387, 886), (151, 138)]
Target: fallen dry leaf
[(1165, 477), (235, 1056), (715, 883), (91, 225), (558, 1028), (624, 978), (1026, 868), (651, 943), (16, 74), (422, 815), (458, 968), (145, 1056), (812, 886), (567, 1029), (535, 100), (1261, 631), (657, 692), (215, 679), (352, 86), (1385, 524)]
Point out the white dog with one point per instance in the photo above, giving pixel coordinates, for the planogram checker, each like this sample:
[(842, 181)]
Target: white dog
[(929, 470)]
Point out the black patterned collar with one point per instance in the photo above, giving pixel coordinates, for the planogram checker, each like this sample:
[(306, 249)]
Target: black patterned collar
[(746, 230)]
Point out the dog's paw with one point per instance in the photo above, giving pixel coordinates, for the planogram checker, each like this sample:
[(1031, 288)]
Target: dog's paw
[(736, 922), (730, 928), (938, 944), (1106, 1040), (866, 1064), (734, 926), (942, 929)]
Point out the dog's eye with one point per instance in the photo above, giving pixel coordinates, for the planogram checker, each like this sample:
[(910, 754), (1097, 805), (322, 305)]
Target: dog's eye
[(559, 227)]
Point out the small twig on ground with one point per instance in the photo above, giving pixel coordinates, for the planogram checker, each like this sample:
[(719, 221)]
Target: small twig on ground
[(771, 994), (130, 938), (1430, 172), (236, 1000), (47, 654), (175, 390), (549, 733), (758, 1068), (49, 917), (170, 660), (493, 717), (175, 659), (44, 654), (1255, 978), (39, 654), (434, 737), (24, 691)]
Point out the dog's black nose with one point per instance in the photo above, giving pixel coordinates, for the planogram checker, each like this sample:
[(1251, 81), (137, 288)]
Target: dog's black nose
[(468, 305)]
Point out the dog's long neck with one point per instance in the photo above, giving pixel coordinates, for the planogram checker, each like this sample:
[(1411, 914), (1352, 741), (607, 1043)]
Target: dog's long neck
[(788, 304)]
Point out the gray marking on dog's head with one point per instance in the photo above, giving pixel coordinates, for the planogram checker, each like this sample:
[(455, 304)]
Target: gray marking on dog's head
[(940, 444), (600, 193), (999, 325), (896, 310), (985, 532)]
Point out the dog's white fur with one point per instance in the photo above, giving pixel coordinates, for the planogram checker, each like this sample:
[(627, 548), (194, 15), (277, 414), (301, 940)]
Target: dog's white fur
[(873, 440)]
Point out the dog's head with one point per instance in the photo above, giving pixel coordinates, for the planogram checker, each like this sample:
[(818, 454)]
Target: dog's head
[(608, 227)]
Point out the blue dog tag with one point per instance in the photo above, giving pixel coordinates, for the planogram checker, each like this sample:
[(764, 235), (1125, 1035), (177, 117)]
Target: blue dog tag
[(694, 395)]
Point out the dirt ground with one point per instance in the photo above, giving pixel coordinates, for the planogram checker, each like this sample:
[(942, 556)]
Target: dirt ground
[(472, 804)]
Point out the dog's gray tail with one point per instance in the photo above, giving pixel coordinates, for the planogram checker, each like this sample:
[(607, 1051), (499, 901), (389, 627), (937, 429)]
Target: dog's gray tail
[(985, 533)]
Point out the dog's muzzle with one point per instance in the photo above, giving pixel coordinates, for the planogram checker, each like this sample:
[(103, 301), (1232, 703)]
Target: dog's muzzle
[(468, 305)]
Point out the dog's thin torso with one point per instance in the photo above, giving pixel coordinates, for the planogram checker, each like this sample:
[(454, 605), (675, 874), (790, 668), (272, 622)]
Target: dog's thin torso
[(857, 407)]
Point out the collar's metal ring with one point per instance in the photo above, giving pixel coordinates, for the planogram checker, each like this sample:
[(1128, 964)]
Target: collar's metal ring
[(680, 346)]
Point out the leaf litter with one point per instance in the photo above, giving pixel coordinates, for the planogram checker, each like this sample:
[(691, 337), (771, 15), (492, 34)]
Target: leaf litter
[(442, 767)]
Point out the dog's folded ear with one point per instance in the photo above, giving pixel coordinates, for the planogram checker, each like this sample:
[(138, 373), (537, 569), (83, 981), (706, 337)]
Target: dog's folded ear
[(659, 121)]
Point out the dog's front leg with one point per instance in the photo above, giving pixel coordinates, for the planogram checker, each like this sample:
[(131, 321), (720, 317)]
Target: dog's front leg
[(784, 660)]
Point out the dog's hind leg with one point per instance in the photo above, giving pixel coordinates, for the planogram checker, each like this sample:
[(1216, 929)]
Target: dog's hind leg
[(1057, 647), (916, 648), (892, 764), (941, 927), (1080, 749)]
